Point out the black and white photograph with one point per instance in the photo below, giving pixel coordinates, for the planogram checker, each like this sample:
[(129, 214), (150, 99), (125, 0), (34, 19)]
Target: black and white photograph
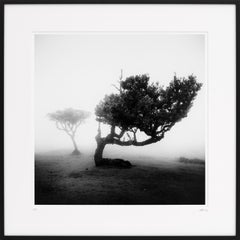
[(119, 118)]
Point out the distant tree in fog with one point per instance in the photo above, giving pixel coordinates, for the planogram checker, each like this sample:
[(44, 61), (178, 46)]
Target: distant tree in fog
[(69, 120), (142, 106)]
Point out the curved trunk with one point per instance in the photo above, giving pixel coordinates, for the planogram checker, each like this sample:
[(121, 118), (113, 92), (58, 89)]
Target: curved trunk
[(76, 151), (101, 143), (98, 156)]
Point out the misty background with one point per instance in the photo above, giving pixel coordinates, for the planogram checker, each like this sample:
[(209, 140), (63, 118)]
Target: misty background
[(77, 70)]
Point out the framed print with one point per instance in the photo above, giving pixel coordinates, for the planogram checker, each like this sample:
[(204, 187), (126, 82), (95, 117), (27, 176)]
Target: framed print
[(120, 119)]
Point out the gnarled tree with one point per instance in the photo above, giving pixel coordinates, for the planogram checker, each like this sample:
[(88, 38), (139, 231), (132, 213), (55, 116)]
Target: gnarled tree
[(69, 120), (142, 106)]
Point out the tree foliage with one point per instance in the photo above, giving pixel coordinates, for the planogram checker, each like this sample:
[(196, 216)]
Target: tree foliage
[(145, 106)]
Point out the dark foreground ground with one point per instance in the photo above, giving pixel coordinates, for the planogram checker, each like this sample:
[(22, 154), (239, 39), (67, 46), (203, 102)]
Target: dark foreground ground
[(66, 179)]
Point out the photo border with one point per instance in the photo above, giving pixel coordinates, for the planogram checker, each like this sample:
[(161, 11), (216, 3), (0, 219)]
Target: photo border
[(206, 122)]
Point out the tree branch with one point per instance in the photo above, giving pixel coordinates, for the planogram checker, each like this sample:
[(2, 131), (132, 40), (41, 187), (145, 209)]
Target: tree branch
[(119, 89), (134, 131), (58, 127), (135, 143), (120, 134), (134, 136), (63, 128), (165, 128), (99, 131), (74, 127), (120, 79), (129, 137), (112, 133)]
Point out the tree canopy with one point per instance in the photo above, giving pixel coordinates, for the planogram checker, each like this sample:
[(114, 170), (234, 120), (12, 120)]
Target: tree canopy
[(148, 107)]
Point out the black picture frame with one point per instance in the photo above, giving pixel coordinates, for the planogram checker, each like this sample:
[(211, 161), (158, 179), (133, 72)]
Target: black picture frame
[(3, 3)]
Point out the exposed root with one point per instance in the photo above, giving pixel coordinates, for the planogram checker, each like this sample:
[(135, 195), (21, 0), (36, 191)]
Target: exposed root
[(118, 163), (76, 152)]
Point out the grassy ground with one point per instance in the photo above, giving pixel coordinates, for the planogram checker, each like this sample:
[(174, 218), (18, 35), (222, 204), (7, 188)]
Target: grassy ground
[(66, 179)]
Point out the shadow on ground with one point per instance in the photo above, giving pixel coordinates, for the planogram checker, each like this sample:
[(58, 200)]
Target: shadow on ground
[(66, 179)]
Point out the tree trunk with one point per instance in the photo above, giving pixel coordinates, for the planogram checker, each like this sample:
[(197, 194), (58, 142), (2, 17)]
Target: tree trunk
[(100, 161), (98, 156), (76, 151)]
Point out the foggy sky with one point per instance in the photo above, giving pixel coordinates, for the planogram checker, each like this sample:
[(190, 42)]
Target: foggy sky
[(77, 70)]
